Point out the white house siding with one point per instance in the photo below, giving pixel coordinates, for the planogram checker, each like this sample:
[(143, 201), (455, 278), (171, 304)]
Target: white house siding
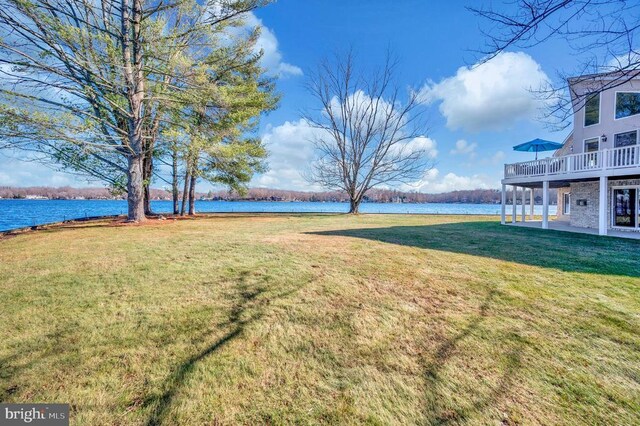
[(608, 125)]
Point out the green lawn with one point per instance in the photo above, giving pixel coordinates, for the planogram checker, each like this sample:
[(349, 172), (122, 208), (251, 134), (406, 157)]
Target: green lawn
[(307, 319)]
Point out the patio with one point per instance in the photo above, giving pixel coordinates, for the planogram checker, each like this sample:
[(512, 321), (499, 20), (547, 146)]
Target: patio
[(565, 227)]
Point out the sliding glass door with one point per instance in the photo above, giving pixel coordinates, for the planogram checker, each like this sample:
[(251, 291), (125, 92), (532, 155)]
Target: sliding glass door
[(625, 204)]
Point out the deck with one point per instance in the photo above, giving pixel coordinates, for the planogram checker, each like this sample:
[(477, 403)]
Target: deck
[(624, 161)]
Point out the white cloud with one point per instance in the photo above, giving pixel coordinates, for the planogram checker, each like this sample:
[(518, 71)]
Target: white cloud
[(23, 170), (421, 144), (267, 41), (291, 152), (630, 60), (268, 44), (490, 96), (464, 148), (431, 182), (361, 107), (365, 110), (424, 144)]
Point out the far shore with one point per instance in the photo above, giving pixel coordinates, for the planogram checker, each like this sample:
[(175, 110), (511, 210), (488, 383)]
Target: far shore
[(250, 200), (468, 196)]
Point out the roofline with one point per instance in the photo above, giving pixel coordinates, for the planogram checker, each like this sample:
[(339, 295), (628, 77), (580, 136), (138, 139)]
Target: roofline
[(612, 75)]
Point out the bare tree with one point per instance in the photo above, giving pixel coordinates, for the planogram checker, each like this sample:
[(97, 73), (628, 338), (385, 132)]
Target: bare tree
[(367, 136), (603, 34)]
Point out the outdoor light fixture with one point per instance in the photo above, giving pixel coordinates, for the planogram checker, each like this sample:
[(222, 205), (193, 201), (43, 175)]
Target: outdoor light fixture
[(603, 137)]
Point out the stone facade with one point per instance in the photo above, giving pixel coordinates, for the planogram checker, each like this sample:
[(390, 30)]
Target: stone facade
[(584, 216), (587, 216)]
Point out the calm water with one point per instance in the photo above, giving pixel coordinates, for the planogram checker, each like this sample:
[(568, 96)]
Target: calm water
[(23, 213)]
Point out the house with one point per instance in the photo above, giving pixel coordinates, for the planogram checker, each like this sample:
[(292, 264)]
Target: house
[(597, 170)]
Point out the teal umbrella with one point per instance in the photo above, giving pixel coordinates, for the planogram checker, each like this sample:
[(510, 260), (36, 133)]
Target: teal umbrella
[(537, 145)]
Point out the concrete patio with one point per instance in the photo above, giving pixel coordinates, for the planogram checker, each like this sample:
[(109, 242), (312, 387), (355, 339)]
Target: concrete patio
[(565, 227)]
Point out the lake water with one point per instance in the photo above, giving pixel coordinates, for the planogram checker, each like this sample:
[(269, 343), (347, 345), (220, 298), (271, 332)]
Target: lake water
[(22, 213)]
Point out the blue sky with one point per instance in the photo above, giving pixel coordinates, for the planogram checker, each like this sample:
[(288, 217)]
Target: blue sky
[(475, 115)]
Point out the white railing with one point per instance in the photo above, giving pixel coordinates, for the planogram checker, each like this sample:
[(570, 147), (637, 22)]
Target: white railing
[(616, 158), (627, 156)]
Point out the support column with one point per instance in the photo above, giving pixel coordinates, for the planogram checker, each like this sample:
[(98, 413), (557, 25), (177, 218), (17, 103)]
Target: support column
[(533, 203), (515, 204), (524, 204), (602, 206), (545, 204), (503, 205)]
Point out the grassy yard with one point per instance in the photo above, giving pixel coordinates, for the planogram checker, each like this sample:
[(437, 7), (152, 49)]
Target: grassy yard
[(377, 319)]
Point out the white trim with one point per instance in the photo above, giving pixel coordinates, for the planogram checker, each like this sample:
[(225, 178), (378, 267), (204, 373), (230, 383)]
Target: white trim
[(612, 205), (503, 204), (584, 144), (514, 213), (596, 152), (600, 76), (545, 204), (565, 211), (615, 104), (532, 201), (603, 193), (584, 107)]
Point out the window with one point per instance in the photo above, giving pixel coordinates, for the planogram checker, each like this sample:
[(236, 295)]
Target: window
[(626, 139), (591, 145), (626, 207), (627, 104), (566, 204), (592, 110)]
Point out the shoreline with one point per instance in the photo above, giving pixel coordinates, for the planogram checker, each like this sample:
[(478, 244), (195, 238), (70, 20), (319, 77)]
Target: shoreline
[(26, 214), (119, 220), (255, 201)]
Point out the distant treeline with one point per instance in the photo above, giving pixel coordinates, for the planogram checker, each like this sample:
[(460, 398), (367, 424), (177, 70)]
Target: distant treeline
[(474, 196)]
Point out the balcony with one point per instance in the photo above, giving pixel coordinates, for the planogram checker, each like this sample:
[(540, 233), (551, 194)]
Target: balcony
[(609, 162)]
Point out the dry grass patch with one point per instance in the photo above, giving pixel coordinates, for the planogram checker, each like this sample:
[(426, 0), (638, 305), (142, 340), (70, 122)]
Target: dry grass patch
[(307, 319)]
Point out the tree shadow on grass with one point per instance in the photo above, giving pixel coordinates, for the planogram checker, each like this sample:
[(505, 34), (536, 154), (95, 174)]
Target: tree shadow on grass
[(29, 353), (438, 410), (249, 309), (545, 248)]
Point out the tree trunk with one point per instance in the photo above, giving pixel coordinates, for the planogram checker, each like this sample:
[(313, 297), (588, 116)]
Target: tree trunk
[(354, 206), (148, 171), (135, 189), (192, 196), (185, 189), (174, 182), (132, 56)]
